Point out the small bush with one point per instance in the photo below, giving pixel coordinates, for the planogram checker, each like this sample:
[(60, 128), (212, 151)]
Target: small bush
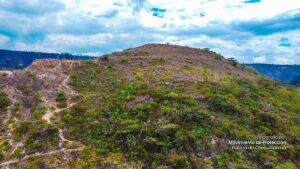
[(219, 162), (61, 97), (222, 104), (2, 157), (158, 61), (104, 57), (179, 161), (38, 96), (124, 60), (24, 127), (16, 153), (287, 165), (130, 89), (61, 100), (62, 105), (73, 77), (4, 101)]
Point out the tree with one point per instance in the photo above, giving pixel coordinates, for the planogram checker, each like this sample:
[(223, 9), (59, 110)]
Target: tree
[(233, 61)]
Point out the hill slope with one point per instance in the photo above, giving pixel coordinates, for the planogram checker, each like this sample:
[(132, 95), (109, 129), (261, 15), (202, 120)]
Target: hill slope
[(10, 60), (155, 106)]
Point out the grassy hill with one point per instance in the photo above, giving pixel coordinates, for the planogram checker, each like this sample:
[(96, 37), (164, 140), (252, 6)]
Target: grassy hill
[(155, 106)]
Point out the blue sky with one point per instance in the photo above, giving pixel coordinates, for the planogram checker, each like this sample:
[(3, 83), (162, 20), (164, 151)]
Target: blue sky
[(261, 31)]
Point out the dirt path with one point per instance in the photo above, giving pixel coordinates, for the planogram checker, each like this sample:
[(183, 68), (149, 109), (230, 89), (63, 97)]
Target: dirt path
[(65, 84), (49, 114), (63, 140), (39, 155), (47, 117)]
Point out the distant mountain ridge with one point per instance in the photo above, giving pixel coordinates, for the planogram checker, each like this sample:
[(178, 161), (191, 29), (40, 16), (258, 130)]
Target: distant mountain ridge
[(282, 73), (21, 59), (9, 60), (296, 81)]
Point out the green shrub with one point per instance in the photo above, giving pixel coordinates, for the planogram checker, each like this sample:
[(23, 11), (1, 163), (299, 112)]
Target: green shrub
[(61, 100), (38, 96), (179, 161), (73, 77), (158, 61), (40, 113), (62, 105), (61, 97), (67, 116), (124, 60), (109, 66), (16, 107), (218, 103), (16, 153), (2, 157), (131, 88), (5, 145), (23, 127), (35, 164), (41, 140), (4, 101), (287, 165), (79, 109), (219, 162)]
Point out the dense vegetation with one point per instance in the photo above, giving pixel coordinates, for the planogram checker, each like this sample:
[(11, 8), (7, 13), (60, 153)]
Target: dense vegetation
[(157, 106), (156, 122)]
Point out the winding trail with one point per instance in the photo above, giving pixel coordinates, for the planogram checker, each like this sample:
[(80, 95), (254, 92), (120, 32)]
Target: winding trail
[(49, 114), (63, 139), (65, 84), (40, 155), (47, 117)]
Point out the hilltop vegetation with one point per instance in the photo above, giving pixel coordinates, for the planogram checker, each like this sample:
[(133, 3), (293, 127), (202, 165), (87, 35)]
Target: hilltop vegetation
[(159, 106)]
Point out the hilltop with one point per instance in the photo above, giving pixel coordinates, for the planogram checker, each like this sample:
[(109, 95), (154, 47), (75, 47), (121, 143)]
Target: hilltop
[(154, 106)]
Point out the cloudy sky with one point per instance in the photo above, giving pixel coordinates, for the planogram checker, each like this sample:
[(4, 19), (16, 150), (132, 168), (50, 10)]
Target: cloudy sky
[(262, 31)]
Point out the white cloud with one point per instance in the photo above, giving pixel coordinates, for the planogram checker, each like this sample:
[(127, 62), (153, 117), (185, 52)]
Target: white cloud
[(232, 28), (284, 61), (260, 59), (3, 39)]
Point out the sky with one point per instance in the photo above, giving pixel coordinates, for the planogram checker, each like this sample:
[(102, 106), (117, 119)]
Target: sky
[(252, 31)]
